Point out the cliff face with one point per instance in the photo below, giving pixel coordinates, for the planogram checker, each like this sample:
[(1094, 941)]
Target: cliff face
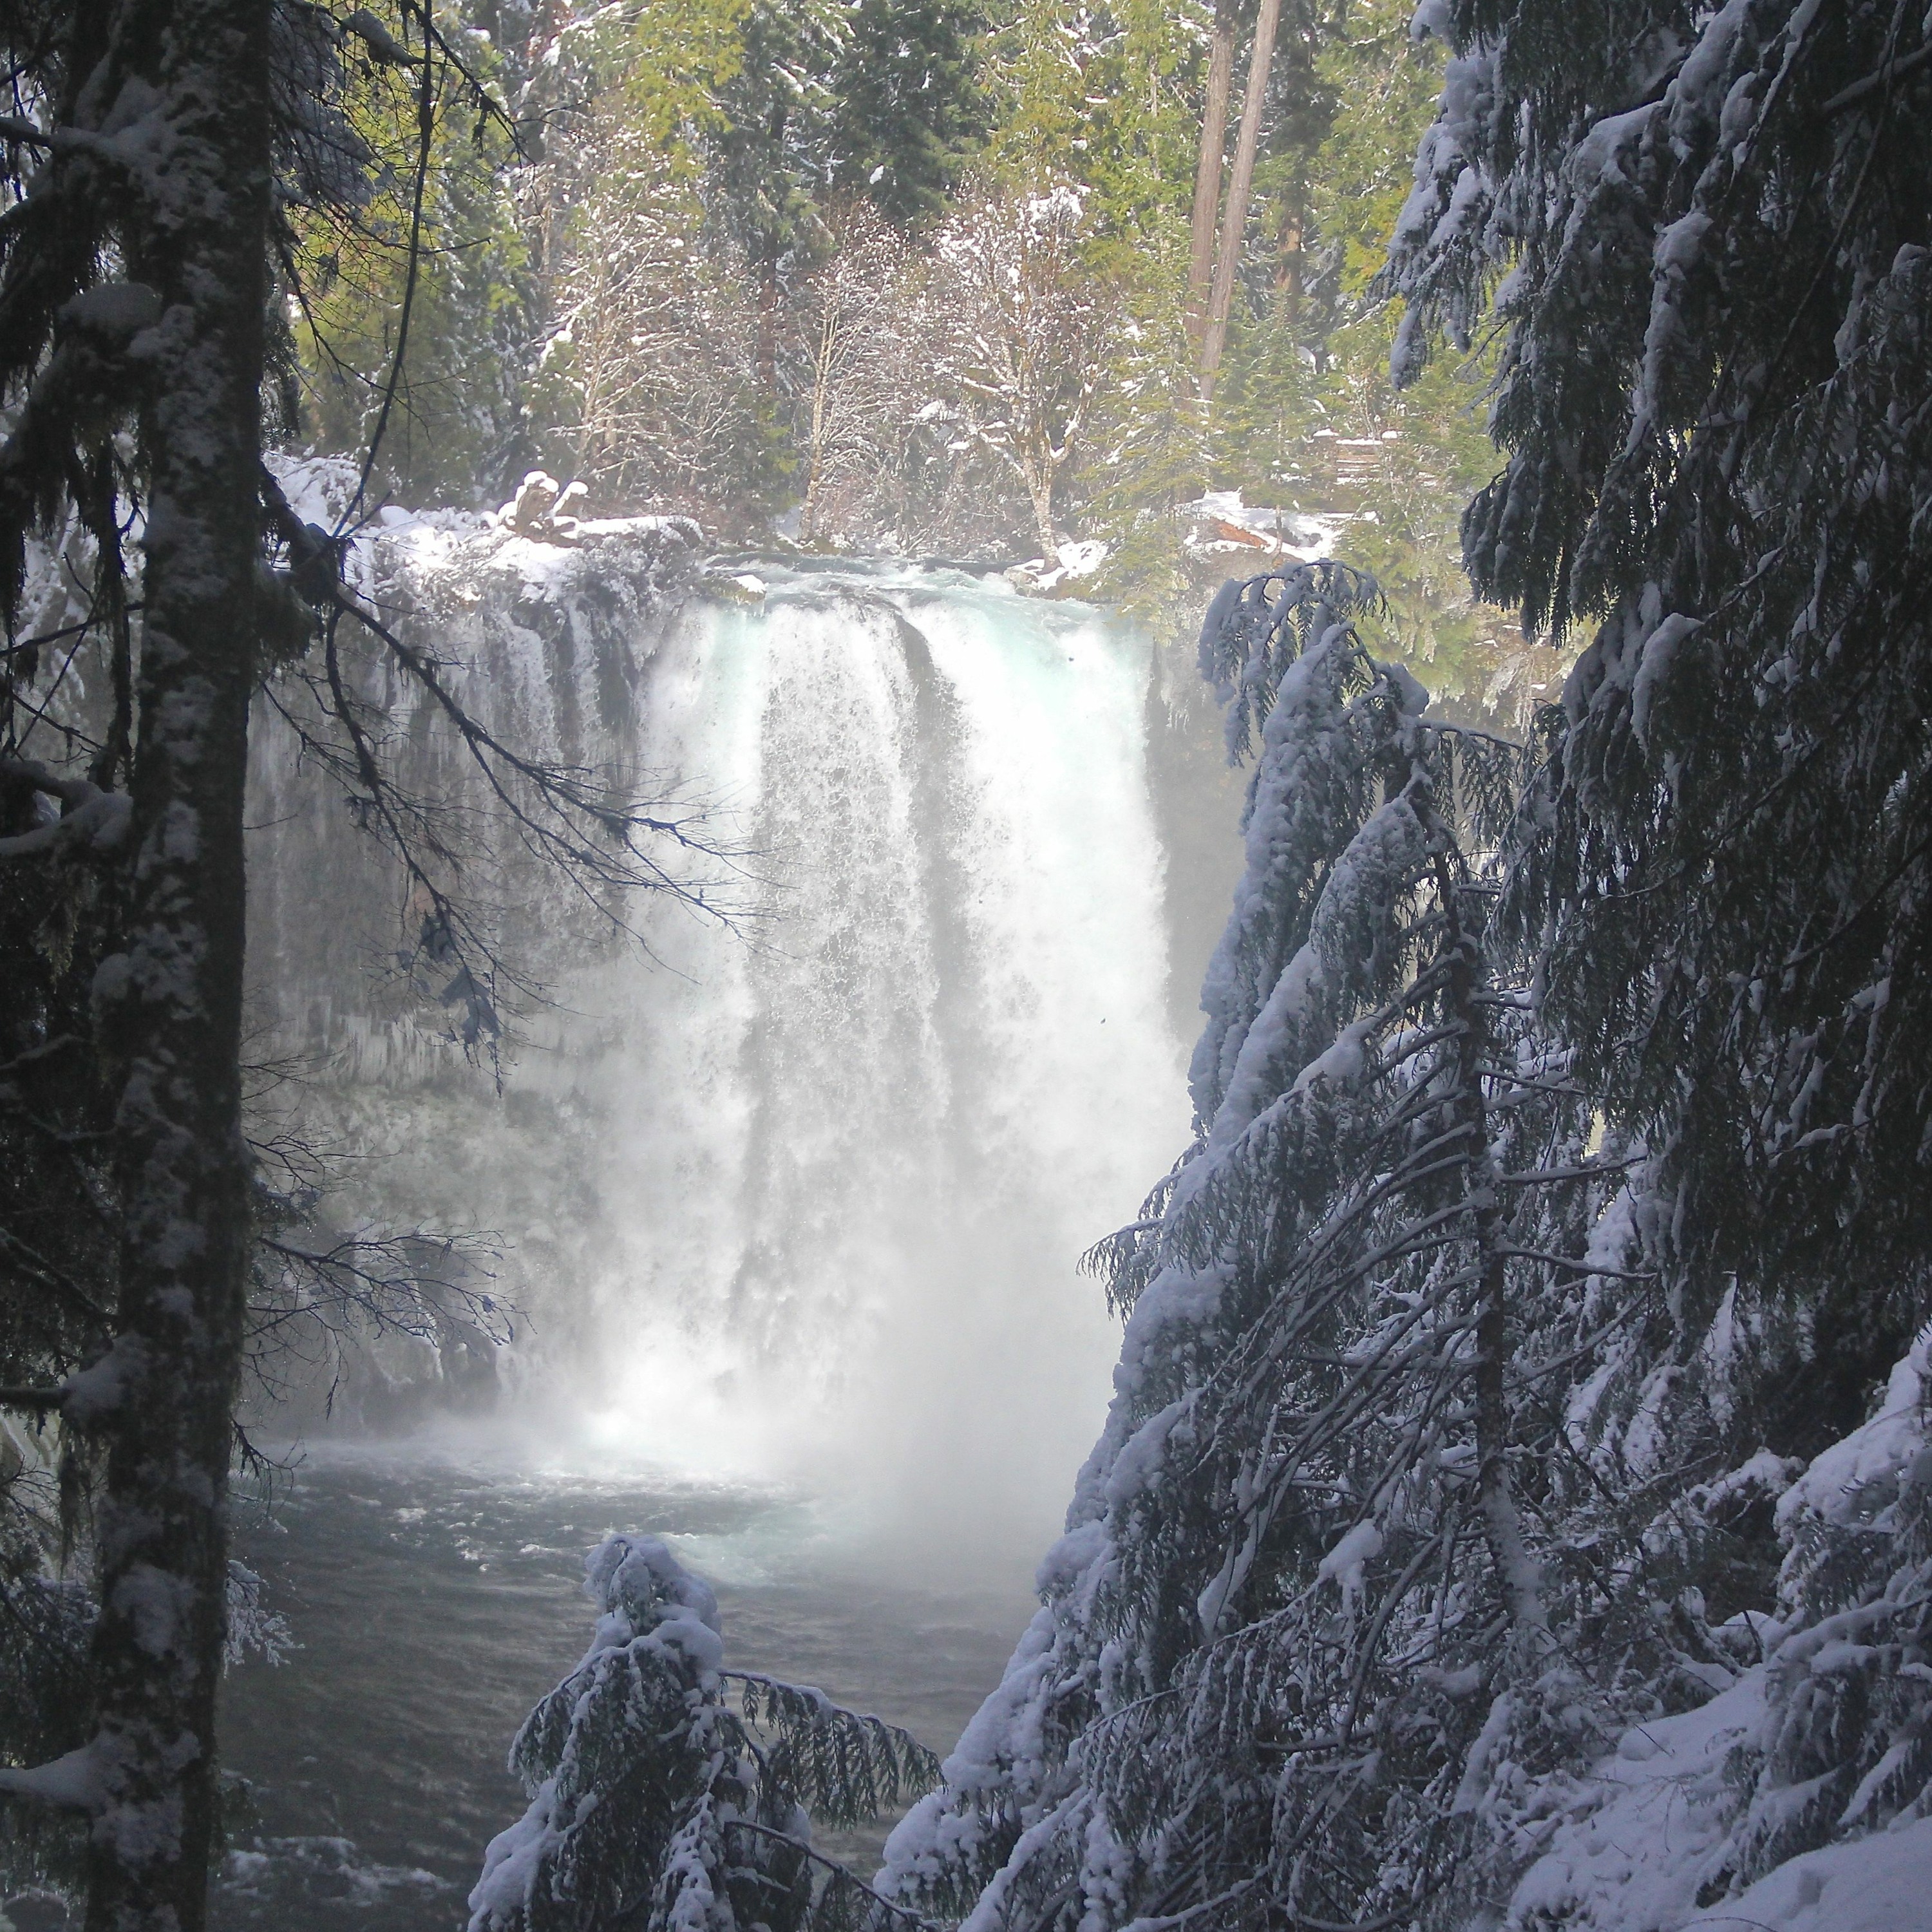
[(543, 630)]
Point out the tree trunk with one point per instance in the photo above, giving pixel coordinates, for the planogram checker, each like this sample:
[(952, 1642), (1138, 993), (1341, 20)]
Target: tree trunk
[(1039, 487), (1234, 215), (1517, 1579), (765, 340), (163, 1400), (1207, 168), (1288, 262), (821, 391)]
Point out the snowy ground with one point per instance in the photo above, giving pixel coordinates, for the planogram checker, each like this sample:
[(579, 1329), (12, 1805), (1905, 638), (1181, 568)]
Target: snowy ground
[(1653, 1829)]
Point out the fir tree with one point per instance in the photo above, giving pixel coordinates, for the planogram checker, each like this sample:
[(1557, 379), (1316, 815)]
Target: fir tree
[(1704, 238), (909, 107), (769, 158), (1301, 1639), (670, 1793)]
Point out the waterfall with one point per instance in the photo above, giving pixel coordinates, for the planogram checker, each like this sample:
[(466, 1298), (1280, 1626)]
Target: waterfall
[(801, 1200), (876, 1144)]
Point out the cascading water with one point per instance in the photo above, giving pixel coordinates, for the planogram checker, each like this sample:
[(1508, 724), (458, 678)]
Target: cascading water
[(802, 1199), (861, 1154), (791, 1209)]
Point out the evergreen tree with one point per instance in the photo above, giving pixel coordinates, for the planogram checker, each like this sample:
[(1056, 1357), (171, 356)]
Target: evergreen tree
[(133, 287), (154, 176), (908, 104), (668, 1792), (770, 157), (1703, 239), (1299, 1646), (829, 105), (1707, 245), (1098, 97)]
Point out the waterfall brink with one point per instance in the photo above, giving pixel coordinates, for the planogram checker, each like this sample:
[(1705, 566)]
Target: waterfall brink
[(802, 1201)]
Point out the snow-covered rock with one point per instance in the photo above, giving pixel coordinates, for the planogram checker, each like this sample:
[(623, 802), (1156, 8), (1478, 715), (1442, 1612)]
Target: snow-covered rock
[(1037, 578), (1221, 525)]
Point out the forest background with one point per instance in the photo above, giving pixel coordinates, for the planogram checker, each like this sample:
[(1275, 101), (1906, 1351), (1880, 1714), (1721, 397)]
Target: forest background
[(918, 277)]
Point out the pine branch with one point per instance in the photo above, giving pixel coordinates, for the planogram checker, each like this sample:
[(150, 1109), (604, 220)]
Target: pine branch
[(844, 1766), (839, 1878)]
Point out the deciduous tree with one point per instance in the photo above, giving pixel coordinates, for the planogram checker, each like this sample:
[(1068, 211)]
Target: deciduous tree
[(1023, 335)]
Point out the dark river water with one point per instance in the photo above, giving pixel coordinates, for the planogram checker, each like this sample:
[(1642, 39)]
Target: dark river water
[(433, 1603)]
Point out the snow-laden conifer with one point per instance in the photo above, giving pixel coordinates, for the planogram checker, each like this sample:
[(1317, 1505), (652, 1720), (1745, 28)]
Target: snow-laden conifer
[(670, 1793), (1310, 1635), (1846, 1747), (1701, 233)]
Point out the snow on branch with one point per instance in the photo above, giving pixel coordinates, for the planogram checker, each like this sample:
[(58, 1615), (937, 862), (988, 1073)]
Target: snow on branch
[(651, 1797), (89, 817)]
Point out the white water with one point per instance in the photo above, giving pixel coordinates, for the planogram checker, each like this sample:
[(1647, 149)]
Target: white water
[(807, 1209), (861, 1159)]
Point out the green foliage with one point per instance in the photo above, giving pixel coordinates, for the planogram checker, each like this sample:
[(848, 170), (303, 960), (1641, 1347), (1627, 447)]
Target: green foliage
[(1383, 84), (663, 64), (1306, 393), (774, 112), (1429, 451), (641, 316), (1303, 404), (457, 431), (908, 106), (1099, 97), (1146, 455)]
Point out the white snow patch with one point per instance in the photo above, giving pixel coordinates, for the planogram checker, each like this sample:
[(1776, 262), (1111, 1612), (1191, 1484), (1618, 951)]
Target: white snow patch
[(1873, 1457), (73, 1783), (1642, 1830), (1343, 1564), (1882, 1883)]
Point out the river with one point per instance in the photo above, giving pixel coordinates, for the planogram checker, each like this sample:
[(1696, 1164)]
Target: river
[(435, 1598)]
